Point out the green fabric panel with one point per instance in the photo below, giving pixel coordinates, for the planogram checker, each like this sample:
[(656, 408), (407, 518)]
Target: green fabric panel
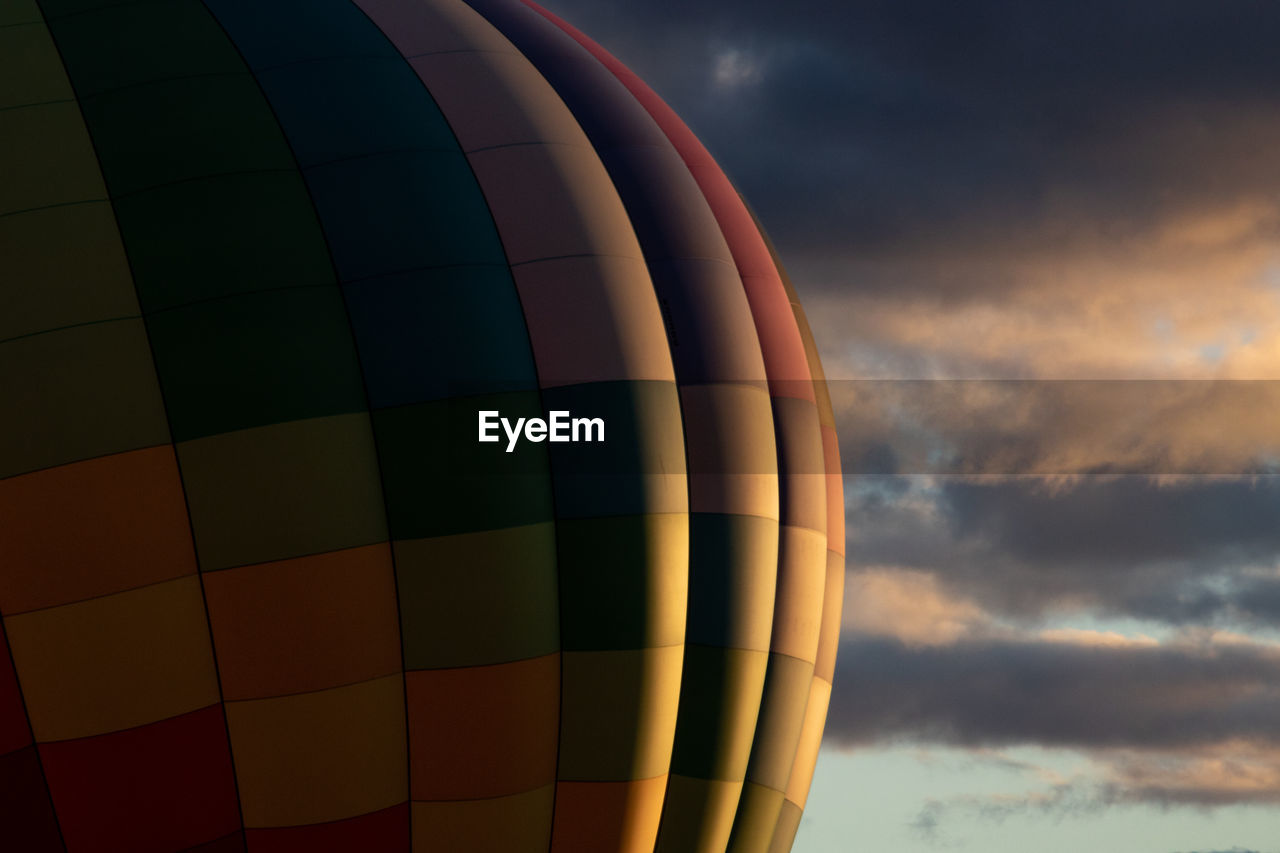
[(733, 574), (622, 581), (758, 812), (64, 266), (176, 130), (49, 159), (255, 359), (228, 234), (786, 692), (285, 490), (719, 700), (30, 68), (643, 436), (124, 45), (617, 711), (380, 221), (81, 393), (19, 12), (439, 480), (478, 598), (784, 835)]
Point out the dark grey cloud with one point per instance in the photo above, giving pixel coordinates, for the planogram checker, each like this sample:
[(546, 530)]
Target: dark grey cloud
[(1193, 552), (874, 126), (998, 693)]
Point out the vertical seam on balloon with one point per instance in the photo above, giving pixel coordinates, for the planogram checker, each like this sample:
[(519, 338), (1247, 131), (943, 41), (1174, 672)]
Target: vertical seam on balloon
[(555, 521), (364, 385), (204, 600), (35, 747)]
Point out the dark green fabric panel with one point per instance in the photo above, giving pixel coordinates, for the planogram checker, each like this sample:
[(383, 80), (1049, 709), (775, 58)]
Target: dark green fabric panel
[(440, 480), (643, 438), (784, 836), (786, 693), (63, 266), (719, 700), (403, 211), (478, 598), (733, 571), (621, 581), (285, 32), (176, 130), (130, 44), (284, 490), (82, 392), (758, 812), (229, 234), (448, 332), (376, 97), (256, 359)]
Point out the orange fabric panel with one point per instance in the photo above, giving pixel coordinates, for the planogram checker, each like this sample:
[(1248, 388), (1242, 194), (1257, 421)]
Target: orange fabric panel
[(320, 757), (305, 624), (483, 731), (621, 817), (116, 662), (92, 528)]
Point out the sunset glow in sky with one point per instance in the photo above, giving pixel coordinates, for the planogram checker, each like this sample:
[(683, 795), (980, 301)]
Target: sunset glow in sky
[(1039, 244)]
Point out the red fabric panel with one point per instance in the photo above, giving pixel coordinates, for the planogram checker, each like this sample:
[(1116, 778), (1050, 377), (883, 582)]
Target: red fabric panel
[(27, 823), (153, 789), (15, 731)]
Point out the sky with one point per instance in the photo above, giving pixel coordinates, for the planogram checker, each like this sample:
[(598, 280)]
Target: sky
[(1039, 244)]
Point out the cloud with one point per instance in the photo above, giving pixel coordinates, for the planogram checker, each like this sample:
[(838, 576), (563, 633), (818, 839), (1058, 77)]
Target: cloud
[(1182, 552), (908, 606), (1055, 694)]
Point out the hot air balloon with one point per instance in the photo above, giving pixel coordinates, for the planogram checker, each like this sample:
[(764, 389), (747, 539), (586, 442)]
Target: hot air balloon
[(263, 266)]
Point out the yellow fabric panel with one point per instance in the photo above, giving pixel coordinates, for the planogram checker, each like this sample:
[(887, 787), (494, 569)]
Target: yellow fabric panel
[(82, 392), (618, 713), (479, 598), (115, 662), (65, 266), (520, 823), (48, 156), (824, 665), (802, 581), (815, 719), (319, 757), (284, 490)]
